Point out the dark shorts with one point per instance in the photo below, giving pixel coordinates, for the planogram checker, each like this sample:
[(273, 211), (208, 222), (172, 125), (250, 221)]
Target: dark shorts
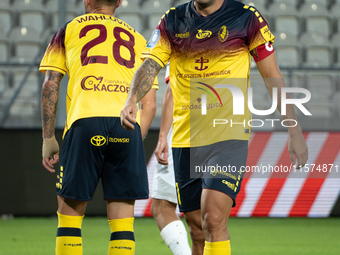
[(100, 148), (216, 166)]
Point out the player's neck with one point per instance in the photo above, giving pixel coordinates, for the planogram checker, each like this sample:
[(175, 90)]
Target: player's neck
[(206, 8), (107, 11)]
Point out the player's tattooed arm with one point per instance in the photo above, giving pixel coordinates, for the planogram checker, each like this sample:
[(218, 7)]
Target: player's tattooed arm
[(144, 78), (140, 86), (49, 101)]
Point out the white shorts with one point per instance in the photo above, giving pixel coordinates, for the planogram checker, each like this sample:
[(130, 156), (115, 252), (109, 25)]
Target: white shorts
[(163, 186)]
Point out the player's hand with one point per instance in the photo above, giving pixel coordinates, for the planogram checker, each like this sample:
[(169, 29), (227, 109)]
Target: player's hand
[(50, 153), (161, 151), (297, 147), (128, 115)]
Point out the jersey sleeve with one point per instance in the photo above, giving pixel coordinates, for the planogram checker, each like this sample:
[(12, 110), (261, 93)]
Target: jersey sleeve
[(158, 48), (258, 31), (155, 84), (141, 47), (54, 58)]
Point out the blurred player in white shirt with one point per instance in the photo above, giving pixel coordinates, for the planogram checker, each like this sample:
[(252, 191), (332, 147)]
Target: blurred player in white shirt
[(164, 200)]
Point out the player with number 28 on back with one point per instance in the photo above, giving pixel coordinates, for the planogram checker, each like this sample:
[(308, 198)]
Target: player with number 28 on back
[(100, 53)]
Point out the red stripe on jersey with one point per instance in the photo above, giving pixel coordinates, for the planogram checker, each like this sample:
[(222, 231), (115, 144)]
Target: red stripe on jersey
[(263, 51), (315, 179), (255, 150), (274, 185)]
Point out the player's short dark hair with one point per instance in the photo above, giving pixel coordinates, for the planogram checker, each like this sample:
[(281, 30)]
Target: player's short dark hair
[(106, 2)]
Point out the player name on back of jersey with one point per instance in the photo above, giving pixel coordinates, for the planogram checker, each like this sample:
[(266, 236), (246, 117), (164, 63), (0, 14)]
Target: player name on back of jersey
[(92, 17)]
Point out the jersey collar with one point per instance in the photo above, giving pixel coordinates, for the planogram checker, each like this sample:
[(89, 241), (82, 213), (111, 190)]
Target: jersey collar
[(221, 9)]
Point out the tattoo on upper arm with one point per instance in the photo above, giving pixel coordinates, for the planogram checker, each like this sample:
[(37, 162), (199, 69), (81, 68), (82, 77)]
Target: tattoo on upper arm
[(144, 78), (49, 101)]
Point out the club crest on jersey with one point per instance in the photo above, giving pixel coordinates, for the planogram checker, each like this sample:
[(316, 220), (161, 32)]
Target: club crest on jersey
[(154, 39), (203, 34), (201, 61), (223, 34)]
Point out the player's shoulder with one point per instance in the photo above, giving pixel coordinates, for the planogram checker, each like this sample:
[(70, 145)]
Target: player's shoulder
[(244, 9), (244, 12), (139, 40), (173, 13), (181, 8), (127, 26)]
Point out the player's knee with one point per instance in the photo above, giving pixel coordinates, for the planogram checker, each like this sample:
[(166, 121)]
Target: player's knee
[(214, 221), (159, 206), (196, 234), (195, 230), (155, 208)]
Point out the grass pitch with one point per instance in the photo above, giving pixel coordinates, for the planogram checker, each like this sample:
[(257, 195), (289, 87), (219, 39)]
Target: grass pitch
[(253, 236)]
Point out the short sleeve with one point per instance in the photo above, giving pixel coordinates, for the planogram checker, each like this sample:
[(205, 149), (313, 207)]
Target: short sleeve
[(54, 58), (159, 47), (155, 84), (258, 31)]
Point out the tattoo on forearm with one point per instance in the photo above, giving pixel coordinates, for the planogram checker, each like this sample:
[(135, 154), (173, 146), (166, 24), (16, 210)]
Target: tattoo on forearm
[(49, 101), (144, 78)]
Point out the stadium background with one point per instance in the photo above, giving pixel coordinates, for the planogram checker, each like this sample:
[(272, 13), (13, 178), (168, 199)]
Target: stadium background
[(308, 50)]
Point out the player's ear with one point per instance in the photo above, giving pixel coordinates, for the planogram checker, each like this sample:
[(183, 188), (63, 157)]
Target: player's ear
[(86, 3), (119, 2)]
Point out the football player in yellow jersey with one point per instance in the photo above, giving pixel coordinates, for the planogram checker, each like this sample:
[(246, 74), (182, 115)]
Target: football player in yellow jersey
[(212, 39), (100, 53)]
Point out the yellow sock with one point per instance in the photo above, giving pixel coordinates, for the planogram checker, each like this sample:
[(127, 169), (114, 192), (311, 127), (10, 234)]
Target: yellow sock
[(217, 248), (122, 240), (69, 239)]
